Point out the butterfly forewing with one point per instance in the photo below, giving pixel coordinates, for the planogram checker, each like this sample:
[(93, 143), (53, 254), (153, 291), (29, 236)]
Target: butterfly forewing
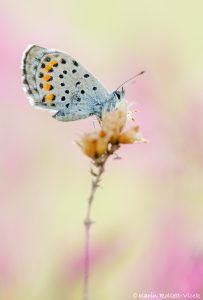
[(54, 80)]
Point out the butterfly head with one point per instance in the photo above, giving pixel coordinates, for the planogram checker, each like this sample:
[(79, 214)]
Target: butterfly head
[(119, 94)]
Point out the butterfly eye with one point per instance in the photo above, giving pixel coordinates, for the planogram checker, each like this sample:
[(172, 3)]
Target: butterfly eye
[(118, 95)]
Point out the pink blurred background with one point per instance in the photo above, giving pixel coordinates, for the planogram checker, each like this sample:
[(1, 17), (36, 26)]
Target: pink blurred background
[(148, 232)]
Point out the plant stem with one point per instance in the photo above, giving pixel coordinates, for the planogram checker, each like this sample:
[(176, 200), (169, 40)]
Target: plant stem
[(100, 164)]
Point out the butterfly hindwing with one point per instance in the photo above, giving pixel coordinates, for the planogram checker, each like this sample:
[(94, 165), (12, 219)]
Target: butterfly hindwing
[(54, 80)]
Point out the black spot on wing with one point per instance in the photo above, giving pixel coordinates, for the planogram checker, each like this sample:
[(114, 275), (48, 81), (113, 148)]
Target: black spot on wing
[(75, 63), (29, 91), (25, 81), (47, 59)]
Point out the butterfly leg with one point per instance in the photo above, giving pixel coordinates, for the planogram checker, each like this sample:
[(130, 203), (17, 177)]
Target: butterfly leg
[(72, 114)]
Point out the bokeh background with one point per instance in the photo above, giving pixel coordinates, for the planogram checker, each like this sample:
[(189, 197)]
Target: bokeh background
[(148, 235)]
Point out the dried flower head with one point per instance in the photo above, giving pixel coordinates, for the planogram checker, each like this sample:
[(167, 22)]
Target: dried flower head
[(114, 121), (95, 144)]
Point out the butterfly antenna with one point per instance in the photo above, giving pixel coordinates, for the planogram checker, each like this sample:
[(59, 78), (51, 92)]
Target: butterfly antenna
[(129, 80)]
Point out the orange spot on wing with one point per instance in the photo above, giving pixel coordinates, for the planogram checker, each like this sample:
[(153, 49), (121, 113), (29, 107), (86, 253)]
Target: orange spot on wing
[(47, 86), (47, 67), (49, 98), (53, 63), (46, 77)]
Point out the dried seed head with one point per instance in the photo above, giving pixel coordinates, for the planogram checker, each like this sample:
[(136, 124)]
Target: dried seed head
[(97, 143), (113, 122), (129, 136), (94, 144)]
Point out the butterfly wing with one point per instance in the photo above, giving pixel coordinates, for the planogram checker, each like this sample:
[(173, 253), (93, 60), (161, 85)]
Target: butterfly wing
[(54, 80)]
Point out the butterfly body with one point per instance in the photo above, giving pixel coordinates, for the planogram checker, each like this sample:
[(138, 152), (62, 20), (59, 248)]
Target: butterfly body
[(55, 81)]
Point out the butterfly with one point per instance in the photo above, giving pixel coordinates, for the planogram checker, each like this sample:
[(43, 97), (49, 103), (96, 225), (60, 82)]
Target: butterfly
[(55, 81)]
